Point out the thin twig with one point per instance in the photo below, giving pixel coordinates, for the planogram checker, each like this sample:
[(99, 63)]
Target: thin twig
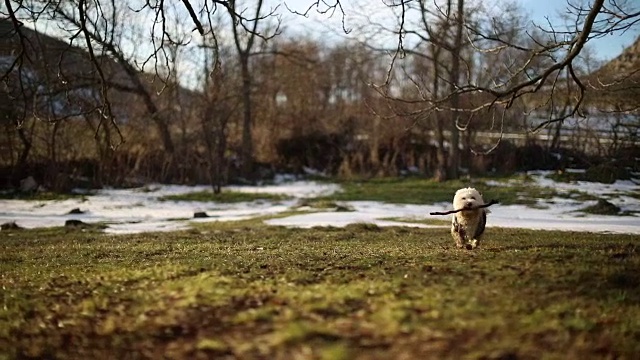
[(492, 202)]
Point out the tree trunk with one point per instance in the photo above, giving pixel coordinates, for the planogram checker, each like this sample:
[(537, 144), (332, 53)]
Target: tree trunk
[(454, 150), (440, 173), (26, 149), (139, 88), (247, 123), (244, 52), (374, 147)]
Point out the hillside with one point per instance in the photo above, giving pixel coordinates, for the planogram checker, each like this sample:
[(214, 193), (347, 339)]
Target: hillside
[(626, 63), (63, 79), (617, 82), (55, 77)]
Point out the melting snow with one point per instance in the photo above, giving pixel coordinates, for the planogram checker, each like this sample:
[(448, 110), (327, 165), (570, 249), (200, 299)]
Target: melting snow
[(139, 210)]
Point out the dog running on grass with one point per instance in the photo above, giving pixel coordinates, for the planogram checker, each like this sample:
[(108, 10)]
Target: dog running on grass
[(467, 226)]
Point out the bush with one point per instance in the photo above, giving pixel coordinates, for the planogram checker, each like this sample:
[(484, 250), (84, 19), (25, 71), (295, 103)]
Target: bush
[(606, 173), (602, 207)]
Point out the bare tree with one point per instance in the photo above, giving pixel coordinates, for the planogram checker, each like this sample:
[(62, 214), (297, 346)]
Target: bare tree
[(595, 19), (216, 111), (562, 47), (454, 80), (454, 88), (247, 28), (530, 64), (435, 51), (116, 62)]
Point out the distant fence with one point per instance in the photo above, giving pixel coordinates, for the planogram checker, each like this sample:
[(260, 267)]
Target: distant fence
[(587, 134)]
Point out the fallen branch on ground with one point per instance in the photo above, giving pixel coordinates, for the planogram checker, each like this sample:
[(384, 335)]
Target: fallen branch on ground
[(492, 202)]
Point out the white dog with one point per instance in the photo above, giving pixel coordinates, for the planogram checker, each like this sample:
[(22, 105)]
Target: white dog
[(468, 225)]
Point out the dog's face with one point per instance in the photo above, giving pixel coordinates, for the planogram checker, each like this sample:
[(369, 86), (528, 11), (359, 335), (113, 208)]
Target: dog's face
[(467, 198)]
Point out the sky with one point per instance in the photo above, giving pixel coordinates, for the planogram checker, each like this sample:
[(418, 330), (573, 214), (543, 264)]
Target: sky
[(605, 48), (324, 27)]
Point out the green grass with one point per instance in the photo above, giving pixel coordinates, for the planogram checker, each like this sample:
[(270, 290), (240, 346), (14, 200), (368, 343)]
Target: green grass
[(246, 290), (603, 173), (324, 205), (516, 190), (225, 197), (433, 222), (604, 207)]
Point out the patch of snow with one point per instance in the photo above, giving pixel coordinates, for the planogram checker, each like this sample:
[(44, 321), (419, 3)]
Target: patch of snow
[(283, 178), (368, 212), (593, 188), (297, 189), (562, 215), (497, 183), (313, 172), (139, 210)]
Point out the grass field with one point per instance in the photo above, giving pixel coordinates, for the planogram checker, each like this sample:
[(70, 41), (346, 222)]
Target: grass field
[(516, 189), (224, 197), (246, 290)]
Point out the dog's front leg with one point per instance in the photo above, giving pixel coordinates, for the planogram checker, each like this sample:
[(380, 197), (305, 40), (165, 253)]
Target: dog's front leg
[(458, 233)]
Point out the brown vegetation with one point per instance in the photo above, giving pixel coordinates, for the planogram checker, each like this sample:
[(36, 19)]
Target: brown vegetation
[(78, 116)]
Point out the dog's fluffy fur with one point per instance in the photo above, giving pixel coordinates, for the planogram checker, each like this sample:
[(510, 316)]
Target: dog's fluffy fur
[(467, 226)]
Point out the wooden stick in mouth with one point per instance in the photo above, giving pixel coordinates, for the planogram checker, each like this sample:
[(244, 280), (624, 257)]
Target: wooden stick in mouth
[(492, 202)]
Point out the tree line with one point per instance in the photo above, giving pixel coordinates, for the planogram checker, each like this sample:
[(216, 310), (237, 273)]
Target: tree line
[(216, 91)]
